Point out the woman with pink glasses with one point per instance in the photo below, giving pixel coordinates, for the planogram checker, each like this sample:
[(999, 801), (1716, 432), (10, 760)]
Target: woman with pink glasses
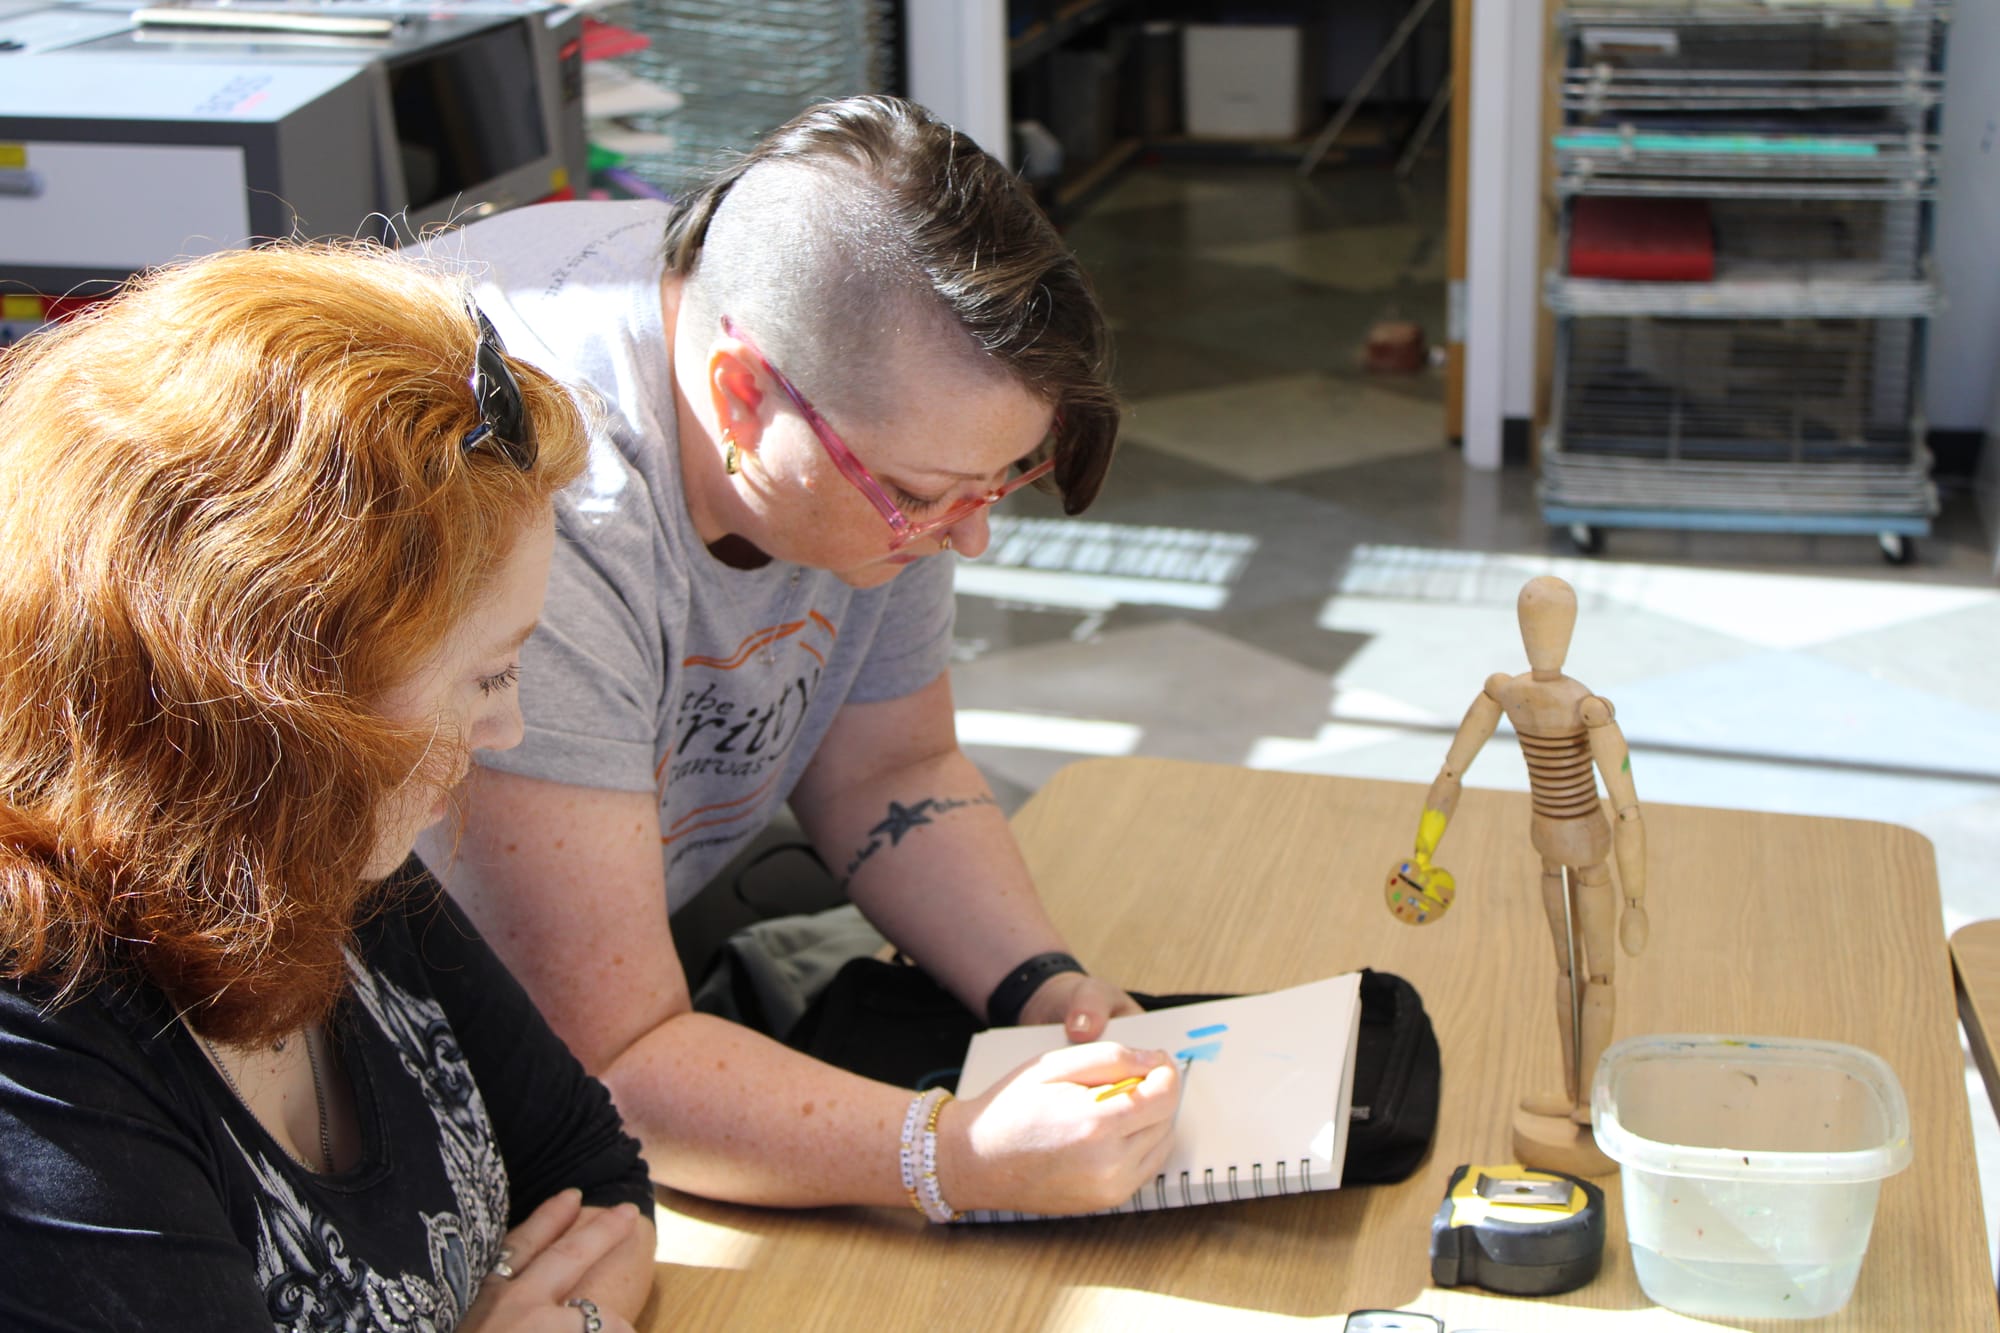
[(818, 372)]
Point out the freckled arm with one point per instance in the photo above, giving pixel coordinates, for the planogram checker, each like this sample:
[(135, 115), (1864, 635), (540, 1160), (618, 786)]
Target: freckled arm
[(568, 887)]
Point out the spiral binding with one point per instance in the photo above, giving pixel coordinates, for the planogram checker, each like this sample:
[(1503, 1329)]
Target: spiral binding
[(1228, 1188)]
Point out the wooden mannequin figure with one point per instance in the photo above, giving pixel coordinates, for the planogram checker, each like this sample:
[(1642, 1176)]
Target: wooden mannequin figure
[(1563, 729)]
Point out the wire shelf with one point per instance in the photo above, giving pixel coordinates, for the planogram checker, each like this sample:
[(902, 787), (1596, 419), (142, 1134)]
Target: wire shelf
[(1853, 62), (1742, 298), (1628, 160), (1676, 390), (1875, 495), (1681, 187), (1606, 90), (1737, 13), (1786, 393), (1782, 258)]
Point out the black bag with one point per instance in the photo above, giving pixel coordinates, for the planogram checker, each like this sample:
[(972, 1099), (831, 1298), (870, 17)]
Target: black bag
[(1396, 1083), (891, 1022)]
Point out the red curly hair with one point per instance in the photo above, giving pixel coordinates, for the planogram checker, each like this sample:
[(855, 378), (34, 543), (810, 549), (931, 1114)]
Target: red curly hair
[(235, 510)]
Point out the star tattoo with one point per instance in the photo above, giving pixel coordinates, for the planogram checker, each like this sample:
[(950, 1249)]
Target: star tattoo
[(902, 818)]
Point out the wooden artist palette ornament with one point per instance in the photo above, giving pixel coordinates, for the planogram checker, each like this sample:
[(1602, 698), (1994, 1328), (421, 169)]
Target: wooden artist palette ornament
[(1418, 895)]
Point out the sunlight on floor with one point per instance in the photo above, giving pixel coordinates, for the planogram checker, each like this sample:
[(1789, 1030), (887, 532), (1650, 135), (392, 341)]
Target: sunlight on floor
[(1032, 731), (1768, 609), (1099, 566)]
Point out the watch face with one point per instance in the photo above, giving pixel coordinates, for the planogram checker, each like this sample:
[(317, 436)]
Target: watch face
[(1393, 1321)]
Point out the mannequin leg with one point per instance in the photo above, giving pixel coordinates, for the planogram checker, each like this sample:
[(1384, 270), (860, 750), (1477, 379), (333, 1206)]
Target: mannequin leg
[(1552, 1131), (1559, 933), (1596, 907)]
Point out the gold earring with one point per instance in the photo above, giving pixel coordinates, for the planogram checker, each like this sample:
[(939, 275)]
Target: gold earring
[(732, 457), (944, 543)]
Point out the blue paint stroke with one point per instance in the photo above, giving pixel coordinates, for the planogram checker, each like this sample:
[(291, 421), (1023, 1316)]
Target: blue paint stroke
[(1208, 1050), (1212, 1030)]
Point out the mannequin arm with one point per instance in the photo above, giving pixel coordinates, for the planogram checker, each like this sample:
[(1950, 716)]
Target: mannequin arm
[(1614, 761), (1442, 799)]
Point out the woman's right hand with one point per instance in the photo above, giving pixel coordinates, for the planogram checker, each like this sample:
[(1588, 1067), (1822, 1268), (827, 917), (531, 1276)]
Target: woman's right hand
[(1042, 1140), (549, 1253)]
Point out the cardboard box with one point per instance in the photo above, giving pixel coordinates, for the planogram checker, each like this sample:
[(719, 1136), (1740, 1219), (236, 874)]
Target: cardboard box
[(1244, 81)]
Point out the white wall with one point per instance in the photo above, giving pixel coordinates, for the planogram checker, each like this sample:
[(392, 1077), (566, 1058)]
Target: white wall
[(1503, 233), (957, 57), (1529, 36), (1964, 349)]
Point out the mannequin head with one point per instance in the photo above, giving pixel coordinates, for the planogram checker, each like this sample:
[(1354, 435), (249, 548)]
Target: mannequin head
[(1548, 617)]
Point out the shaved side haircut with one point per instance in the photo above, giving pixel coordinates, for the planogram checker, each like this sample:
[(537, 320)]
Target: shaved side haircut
[(867, 223)]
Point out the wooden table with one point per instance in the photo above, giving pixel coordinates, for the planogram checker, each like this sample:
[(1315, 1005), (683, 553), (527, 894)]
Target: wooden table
[(1188, 877), (1975, 957)]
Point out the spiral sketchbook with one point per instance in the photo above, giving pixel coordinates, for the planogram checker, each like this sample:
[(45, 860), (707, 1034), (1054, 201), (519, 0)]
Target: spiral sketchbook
[(1264, 1102)]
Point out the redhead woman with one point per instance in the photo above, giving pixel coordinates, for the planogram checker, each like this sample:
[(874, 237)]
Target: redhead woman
[(273, 527)]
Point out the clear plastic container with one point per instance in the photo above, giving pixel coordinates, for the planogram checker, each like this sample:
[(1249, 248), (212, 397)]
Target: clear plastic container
[(1749, 1167)]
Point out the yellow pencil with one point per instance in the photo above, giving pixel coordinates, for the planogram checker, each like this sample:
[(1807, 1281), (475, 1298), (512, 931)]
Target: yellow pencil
[(1122, 1085)]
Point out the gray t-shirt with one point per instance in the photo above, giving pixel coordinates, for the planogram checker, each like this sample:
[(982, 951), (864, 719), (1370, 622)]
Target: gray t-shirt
[(658, 668)]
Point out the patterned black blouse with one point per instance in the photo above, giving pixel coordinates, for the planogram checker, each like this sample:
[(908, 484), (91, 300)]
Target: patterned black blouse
[(136, 1191)]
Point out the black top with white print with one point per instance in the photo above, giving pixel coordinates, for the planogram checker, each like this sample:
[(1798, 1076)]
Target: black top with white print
[(136, 1191)]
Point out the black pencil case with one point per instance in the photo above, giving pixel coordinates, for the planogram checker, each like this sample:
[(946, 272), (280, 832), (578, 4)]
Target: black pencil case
[(890, 1021)]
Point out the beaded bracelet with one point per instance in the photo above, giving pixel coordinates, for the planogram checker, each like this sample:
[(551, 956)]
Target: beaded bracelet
[(1003, 1009), (918, 1156), (930, 1197), (907, 1151)]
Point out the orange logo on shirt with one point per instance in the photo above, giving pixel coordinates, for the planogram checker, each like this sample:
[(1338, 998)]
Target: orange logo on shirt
[(761, 638)]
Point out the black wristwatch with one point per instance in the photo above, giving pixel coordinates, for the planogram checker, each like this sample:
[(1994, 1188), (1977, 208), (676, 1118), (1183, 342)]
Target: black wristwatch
[(1003, 1008)]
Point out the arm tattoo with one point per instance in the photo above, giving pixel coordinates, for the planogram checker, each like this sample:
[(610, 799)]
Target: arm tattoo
[(902, 820)]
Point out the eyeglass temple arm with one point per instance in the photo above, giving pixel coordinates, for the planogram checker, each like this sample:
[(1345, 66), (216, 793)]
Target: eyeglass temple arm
[(843, 458)]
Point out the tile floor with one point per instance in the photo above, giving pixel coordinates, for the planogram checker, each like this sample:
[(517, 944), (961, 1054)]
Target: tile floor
[(1290, 568)]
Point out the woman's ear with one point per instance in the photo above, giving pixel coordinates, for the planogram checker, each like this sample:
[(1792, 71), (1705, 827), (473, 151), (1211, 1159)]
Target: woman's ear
[(735, 395)]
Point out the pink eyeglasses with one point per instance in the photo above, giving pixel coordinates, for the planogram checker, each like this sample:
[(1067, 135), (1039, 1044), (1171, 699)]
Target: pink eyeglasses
[(903, 529)]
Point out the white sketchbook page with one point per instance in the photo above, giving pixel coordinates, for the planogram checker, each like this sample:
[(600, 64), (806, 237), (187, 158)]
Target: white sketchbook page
[(1274, 1087)]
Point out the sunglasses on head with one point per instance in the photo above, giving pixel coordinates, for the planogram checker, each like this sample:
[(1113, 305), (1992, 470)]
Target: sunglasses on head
[(504, 424)]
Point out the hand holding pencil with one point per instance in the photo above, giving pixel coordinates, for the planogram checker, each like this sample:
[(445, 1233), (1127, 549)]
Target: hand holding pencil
[(1127, 1084), (1075, 1130)]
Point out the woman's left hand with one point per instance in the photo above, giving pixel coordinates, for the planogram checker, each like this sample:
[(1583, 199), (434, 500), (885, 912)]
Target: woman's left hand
[(546, 1255), (1082, 1004)]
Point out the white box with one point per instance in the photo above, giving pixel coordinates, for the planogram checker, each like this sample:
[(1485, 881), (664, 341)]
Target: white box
[(1244, 81)]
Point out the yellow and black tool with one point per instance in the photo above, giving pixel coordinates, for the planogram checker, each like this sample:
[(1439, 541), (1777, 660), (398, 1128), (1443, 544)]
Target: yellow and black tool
[(1517, 1230)]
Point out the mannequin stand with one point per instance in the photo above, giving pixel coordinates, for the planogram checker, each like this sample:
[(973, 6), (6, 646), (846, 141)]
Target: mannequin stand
[(1558, 1143)]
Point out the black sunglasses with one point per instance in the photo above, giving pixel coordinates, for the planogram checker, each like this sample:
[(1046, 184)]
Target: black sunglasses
[(503, 418)]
